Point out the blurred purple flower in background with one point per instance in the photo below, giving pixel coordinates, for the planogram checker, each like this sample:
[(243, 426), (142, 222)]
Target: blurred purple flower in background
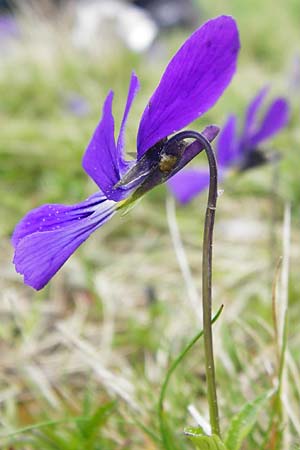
[(240, 151), (8, 27), (192, 82), (76, 104)]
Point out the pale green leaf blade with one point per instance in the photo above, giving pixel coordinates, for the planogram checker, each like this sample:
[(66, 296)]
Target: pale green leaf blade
[(202, 441), (243, 422)]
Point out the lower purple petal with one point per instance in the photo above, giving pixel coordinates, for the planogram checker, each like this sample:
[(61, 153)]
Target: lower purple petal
[(188, 183), (53, 216), (42, 247)]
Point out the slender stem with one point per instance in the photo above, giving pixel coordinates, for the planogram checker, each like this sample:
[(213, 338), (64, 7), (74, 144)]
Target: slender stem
[(207, 275), (206, 290)]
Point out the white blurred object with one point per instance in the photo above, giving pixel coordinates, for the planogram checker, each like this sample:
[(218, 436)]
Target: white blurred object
[(293, 79), (97, 20), (200, 420)]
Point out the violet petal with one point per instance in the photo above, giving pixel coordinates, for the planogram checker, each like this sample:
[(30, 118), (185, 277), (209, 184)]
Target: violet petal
[(193, 81), (252, 110), (275, 119), (101, 159), (54, 216), (188, 183), (42, 247), (133, 89), (227, 145)]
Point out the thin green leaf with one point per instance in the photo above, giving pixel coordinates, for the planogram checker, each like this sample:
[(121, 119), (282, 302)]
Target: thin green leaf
[(243, 422), (37, 426), (203, 442)]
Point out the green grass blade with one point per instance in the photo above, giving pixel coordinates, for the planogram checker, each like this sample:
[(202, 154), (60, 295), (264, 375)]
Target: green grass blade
[(37, 426), (89, 427)]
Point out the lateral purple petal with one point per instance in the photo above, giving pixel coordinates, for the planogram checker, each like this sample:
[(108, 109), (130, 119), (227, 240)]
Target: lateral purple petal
[(275, 119), (188, 183), (252, 110), (193, 81), (133, 89), (227, 145), (43, 246), (101, 160)]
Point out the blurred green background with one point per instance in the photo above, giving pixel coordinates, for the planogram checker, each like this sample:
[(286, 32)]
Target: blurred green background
[(108, 324)]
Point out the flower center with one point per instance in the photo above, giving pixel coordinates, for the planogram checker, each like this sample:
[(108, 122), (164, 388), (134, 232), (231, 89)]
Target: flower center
[(167, 162)]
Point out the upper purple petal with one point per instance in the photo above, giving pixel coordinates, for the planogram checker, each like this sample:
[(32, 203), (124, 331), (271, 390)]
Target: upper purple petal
[(227, 145), (104, 160), (100, 160), (275, 119), (193, 81), (43, 246), (188, 183), (133, 89), (252, 110)]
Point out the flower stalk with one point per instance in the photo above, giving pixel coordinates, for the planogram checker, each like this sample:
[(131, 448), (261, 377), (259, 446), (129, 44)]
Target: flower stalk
[(206, 289), (207, 275)]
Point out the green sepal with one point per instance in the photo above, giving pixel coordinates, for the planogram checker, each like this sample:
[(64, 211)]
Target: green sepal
[(128, 204)]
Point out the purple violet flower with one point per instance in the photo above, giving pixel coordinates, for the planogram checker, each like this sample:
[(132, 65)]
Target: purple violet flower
[(240, 151), (193, 81)]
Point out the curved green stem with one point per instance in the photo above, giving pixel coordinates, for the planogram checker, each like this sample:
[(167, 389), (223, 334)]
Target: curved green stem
[(207, 274)]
